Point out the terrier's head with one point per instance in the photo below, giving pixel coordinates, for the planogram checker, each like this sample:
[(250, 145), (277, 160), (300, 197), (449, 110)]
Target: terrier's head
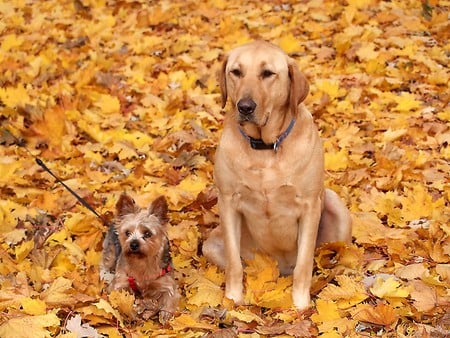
[(141, 232)]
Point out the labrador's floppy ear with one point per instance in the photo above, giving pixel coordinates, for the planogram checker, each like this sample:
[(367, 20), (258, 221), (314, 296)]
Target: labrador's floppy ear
[(299, 87), (223, 82)]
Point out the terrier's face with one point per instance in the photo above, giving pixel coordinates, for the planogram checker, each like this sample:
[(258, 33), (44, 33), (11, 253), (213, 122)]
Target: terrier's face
[(141, 231)]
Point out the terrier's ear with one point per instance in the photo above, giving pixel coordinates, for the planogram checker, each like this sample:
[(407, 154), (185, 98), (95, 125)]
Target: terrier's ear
[(125, 205), (159, 208), (299, 87), (223, 82)]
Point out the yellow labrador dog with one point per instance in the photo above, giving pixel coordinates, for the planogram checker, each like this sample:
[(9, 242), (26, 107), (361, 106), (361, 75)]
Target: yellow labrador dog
[(269, 170)]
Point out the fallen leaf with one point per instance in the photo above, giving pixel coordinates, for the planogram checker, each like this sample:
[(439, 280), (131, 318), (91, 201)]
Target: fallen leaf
[(424, 296), (122, 301), (22, 326), (32, 306), (381, 314), (389, 288)]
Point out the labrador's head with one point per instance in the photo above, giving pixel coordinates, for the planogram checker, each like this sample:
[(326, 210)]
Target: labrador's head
[(261, 80)]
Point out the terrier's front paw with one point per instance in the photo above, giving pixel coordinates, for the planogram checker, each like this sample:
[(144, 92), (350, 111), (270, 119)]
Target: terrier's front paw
[(165, 316)]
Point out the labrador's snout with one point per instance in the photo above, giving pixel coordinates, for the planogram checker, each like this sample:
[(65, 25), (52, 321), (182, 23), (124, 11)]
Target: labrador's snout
[(246, 106)]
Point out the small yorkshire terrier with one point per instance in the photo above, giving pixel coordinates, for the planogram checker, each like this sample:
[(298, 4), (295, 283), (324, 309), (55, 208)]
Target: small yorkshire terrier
[(136, 253)]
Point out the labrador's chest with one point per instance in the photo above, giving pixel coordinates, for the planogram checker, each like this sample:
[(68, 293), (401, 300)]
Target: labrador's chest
[(267, 193), (271, 206)]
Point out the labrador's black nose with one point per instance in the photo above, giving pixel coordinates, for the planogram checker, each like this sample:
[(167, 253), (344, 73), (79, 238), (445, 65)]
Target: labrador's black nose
[(246, 106)]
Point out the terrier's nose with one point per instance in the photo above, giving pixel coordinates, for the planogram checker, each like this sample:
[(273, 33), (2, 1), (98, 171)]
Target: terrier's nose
[(246, 106), (134, 245)]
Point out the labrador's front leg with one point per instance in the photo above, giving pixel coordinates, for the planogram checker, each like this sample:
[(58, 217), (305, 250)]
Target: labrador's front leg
[(231, 221), (307, 235)]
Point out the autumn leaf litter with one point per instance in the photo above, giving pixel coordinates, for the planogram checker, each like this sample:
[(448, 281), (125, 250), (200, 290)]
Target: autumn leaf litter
[(122, 96)]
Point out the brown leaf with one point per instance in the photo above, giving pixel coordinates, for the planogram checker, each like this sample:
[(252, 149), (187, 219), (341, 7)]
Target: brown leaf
[(381, 314)]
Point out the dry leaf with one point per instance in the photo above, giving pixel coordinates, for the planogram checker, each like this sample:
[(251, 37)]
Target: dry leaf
[(424, 296), (123, 96), (381, 314), (21, 327)]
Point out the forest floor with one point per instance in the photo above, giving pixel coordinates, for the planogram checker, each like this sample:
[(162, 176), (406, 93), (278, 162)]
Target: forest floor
[(120, 96)]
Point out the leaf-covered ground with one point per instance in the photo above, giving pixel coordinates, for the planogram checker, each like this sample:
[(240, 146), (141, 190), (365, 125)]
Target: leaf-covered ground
[(122, 96)]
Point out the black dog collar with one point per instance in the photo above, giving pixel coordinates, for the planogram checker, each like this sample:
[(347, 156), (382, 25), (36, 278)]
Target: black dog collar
[(259, 144)]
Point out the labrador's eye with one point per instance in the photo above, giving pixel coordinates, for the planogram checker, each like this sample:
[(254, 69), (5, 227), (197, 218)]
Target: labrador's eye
[(267, 73), (147, 234), (236, 72)]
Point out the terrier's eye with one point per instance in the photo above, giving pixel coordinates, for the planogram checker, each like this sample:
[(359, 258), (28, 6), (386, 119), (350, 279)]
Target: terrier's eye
[(236, 72), (127, 233), (267, 73), (147, 234)]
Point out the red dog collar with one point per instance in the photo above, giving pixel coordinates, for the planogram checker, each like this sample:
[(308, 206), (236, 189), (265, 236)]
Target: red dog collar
[(132, 284), (132, 280), (165, 270)]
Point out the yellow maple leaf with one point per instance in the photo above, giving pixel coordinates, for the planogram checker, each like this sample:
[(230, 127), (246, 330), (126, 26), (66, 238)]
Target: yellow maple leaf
[(187, 190), (289, 43), (330, 87), (411, 271), (185, 80), (181, 261), (203, 291), (367, 52), (263, 284), (389, 288), (215, 275), (260, 262), (124, 150), (260, 270), (326, 311), (15, 236), (8, 168), (123, 301), (62, 264), (347, 294), (22, 327), (9, 213), (444, 115), (392, 135), (443, 270), (57, 237), (115, 332), (336, 160), (103, 306), (359, 3), (93, 257), (107, 103), (418, 203), (78, 223), (75, 253), (331, 334), (185, 321), (189, 245), (406, 103), (11, 41), (328, 318), (274, 295), (245, 316), (58, 292), (21, 251), (14, 96), (33, 306)]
